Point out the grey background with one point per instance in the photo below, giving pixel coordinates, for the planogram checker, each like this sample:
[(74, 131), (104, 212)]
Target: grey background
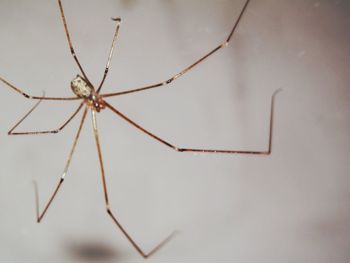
[(292, 206)]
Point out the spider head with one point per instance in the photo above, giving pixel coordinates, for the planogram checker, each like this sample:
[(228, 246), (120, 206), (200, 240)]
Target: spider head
[(80, 87)]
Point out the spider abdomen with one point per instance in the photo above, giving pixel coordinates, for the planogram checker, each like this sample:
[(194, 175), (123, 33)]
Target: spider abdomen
[(81, 88)]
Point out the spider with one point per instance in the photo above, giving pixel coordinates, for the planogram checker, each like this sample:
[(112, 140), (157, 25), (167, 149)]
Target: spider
[(91, 99)]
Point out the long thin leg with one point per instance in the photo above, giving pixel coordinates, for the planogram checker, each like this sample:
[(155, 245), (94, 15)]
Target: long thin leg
[(70, 41), (176, 148), (35, 97), (131, 240), (46, 131), (118, 20), (40, 216), (171, 79)]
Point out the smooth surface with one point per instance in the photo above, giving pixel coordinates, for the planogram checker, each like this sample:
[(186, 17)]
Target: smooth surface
[(292, 206)]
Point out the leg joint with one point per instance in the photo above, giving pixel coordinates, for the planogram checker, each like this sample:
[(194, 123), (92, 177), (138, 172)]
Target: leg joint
[(108, 209)]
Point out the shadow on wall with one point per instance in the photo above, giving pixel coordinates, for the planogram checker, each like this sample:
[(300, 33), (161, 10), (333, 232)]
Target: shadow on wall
[(128, 4), (91, 251)]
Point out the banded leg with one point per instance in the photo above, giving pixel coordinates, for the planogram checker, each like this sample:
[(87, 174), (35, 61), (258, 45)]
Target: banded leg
[(35, 97), (46, 131), (179, 149), (110, 213), (171, 79), (40, 216), (118, 20), (72, 51)]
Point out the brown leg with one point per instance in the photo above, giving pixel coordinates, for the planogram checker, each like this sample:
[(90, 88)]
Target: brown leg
[(70, 41), (133, 243), (35, 97), (40, 216), (118, 20), (176, 148), (171, 79), (42, 132)]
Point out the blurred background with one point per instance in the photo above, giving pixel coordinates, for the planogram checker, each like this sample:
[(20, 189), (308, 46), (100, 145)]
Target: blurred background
[(292, 206)]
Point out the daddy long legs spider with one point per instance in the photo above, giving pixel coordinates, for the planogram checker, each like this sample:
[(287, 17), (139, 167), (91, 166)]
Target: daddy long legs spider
[(91, 99)]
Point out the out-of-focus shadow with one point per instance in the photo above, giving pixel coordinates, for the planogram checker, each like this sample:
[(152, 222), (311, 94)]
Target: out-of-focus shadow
[(128, 3), (91, 251)]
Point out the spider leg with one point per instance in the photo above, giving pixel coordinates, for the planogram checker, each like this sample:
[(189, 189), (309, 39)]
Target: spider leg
[(40, 216), (45, 131), (174, 77), (179, 149), (118, 20), (26, 95), (72, 51), (110, 213)]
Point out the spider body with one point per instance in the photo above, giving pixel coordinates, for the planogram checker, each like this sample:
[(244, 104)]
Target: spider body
[(83, 89)]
